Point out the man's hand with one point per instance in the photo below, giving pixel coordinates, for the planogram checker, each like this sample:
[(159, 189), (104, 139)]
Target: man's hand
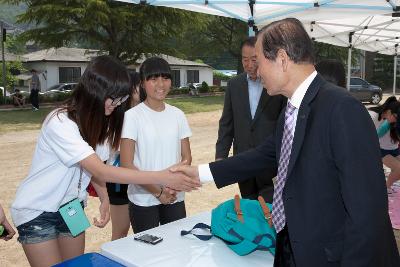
[(178, 181), (191, 171)]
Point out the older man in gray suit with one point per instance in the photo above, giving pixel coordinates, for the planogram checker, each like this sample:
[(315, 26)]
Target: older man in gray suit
[(248, 117)]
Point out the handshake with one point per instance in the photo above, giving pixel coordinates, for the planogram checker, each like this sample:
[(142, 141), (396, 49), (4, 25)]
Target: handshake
[(181, 177)]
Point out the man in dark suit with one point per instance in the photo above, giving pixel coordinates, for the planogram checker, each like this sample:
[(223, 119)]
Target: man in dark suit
[(248, 117), (330, 204)]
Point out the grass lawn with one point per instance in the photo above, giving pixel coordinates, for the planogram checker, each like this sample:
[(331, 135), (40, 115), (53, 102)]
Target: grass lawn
[(13, 121), (197, 104)]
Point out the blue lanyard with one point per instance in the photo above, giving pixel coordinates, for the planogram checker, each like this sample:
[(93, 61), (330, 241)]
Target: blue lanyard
[(117, 163)]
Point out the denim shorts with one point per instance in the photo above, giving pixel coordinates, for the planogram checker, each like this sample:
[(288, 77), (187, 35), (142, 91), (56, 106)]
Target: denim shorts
[(47, 226)]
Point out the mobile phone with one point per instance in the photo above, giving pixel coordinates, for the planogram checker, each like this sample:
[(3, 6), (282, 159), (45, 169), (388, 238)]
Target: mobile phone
[(150, 239), (3, 231)]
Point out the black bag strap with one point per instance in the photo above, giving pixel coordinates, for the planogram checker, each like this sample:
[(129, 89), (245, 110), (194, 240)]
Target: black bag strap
[(199, 226)]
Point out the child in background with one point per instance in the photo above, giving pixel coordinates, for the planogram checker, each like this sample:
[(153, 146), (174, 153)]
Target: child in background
[(117, 193), (389, 141), (155, 135)]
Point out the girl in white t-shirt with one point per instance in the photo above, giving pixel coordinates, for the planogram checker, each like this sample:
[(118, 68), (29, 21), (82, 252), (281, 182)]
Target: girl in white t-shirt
[(65, 160), (389, 142), (154, 136)]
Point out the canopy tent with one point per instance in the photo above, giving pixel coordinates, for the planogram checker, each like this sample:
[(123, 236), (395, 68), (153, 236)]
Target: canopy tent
[(259, 12), (378, 33), (349, 23)]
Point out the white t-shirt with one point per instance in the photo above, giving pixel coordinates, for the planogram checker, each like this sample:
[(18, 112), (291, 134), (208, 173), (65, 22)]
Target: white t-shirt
[(54, 174), (385, 142), (157, 138)]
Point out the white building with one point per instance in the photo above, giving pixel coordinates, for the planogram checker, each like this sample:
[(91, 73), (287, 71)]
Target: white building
[(184, 71), (62, 65), (58, 65)]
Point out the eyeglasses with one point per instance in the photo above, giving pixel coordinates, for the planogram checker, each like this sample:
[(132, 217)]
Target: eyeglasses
[(118, 100)]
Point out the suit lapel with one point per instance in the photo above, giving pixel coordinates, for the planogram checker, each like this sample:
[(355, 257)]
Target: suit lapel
[(264, 98), (301, 123)]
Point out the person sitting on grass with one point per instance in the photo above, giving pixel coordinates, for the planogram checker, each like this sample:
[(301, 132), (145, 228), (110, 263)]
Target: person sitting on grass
[(18, 99)]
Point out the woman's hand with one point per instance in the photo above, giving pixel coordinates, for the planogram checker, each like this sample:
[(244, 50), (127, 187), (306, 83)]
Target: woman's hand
[(7, 225), (104, 208), (167, 197), (104, 214), (179, 181)]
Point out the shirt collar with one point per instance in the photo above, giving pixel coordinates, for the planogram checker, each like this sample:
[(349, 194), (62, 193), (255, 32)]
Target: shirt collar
[(258, 80), (300, 92)]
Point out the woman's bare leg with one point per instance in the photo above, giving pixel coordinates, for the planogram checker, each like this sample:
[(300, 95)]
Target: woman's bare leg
[(71, 247), (120, 221), (43, 254), (394, 165)]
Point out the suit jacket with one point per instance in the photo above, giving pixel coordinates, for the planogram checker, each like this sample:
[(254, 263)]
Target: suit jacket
[(335, 197), (237, 127)]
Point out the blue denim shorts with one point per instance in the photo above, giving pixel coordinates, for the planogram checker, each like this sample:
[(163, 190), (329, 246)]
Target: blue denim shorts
[(47, 226)]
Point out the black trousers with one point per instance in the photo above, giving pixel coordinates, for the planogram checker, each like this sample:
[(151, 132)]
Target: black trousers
[(144, 218), (34, 98), (283, 253)]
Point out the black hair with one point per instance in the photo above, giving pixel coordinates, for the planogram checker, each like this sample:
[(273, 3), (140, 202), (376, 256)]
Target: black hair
[(250, 41), (105, 77), (135, 81), (393, 105), (333, 71), (287, 34), (153, 67)]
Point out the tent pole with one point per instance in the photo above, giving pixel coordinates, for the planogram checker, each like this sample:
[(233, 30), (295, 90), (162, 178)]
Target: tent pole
[(348, 68), (349, 60), (252, 27), (394, 74)]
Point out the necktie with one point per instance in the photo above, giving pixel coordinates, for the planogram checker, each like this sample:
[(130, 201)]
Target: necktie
[(278, 211)]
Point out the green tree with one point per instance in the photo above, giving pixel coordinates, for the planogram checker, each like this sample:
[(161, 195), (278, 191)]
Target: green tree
[(328, 51), (213, 39), (11, 80), (15, 44), (126, 31)]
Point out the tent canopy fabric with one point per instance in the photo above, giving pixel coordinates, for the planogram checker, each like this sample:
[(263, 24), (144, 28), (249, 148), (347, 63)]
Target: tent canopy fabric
[(369, 22), (379, 33), (263, 12), (372, 25)]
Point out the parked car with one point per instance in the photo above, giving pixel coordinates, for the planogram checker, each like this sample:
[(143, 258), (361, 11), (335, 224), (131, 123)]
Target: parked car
[(2, 91), (364, 91), (61, 87)]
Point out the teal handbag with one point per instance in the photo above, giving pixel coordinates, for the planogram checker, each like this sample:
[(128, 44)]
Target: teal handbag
[(244, 225)]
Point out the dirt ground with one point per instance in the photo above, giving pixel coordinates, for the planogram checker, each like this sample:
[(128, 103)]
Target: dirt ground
[(15, 158)]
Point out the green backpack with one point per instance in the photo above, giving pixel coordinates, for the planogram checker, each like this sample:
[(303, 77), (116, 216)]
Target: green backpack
[(244, 225)]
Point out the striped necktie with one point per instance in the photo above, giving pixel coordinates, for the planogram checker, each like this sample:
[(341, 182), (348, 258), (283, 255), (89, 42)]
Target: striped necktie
[(278, 211)]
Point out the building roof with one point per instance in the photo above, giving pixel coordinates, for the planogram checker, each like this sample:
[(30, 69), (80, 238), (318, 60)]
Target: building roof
[(64, 54), (174, 61), (12, 57)]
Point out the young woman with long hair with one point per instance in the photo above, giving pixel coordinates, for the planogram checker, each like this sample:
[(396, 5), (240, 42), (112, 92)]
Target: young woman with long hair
[(117, 193), (72, 145)]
